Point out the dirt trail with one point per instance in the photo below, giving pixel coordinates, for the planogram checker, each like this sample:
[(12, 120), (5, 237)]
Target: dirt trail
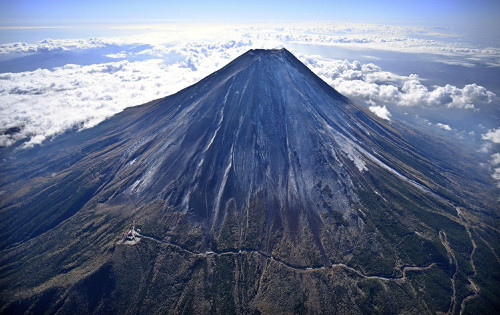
[(453, 260), (472, 286), (402, 277)]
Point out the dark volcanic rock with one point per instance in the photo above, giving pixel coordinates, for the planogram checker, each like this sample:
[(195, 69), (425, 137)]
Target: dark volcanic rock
[(258, 189)]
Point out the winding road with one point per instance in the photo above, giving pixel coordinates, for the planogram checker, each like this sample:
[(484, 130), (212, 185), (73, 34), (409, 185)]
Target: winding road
[(404, 269)]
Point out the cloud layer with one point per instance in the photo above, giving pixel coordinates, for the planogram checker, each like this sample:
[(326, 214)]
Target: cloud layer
[(368, 83), (395, 38), (35, 105)]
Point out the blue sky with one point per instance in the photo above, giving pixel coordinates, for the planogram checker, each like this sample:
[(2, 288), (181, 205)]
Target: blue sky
[(54, 12)]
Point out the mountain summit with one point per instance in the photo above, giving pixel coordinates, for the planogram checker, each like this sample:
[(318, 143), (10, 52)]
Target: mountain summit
[(258, 189)]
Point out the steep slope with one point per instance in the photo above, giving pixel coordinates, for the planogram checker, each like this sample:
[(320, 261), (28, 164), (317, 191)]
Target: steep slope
[(260, 188)]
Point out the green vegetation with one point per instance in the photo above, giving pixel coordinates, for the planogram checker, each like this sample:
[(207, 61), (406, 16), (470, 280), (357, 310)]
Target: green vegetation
[(224, 285), (434, 287)]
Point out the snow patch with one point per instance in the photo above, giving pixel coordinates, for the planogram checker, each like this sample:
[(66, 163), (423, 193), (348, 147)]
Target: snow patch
[(353, 152), (223, 184), (390, 169)]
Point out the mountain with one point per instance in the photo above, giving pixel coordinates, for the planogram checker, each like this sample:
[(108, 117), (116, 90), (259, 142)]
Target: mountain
[(258, 189)]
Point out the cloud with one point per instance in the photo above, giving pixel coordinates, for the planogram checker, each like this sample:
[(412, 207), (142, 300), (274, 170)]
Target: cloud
[(52, 45), (444, 126), (492, 135), (462, 63), (380, 111), (120, 55), (485, 147), (495, 159), (368, 83), (395, 38), (496, 175), (405, 39)]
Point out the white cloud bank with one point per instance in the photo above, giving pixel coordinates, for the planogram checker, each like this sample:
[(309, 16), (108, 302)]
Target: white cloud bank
[(43, 103), (368, 83), (396, 38), (52, 45)]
